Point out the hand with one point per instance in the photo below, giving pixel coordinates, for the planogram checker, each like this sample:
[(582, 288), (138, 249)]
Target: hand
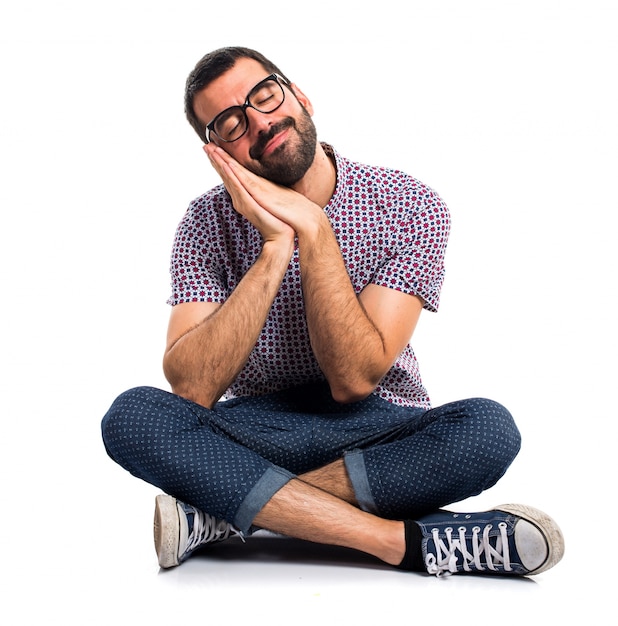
[(265, 204), (270, 227)]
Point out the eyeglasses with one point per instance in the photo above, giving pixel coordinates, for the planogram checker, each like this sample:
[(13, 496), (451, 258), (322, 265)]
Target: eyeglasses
[(267, 96)]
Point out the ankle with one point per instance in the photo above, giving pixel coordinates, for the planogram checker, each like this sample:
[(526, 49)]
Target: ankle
[(393, 544)]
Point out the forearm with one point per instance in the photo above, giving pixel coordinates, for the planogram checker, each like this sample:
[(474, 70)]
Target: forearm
[(203, 362), (347, 345)]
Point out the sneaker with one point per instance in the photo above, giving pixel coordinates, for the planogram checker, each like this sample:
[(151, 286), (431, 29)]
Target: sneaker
[(179, 529), (510, 539)]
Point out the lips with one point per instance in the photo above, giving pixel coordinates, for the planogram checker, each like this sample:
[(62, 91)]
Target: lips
[(275, 143), (257, 150)]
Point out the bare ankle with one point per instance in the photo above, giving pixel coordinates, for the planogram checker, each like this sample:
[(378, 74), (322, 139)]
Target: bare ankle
[(394, 543)]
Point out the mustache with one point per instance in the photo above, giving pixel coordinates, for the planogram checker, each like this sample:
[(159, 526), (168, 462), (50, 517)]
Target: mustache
[(257, 149)]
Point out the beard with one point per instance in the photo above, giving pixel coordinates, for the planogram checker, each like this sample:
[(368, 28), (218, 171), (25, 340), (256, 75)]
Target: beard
[(287, 164)]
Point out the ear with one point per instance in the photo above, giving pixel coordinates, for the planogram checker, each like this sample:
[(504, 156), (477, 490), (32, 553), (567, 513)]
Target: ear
[(302, 98)]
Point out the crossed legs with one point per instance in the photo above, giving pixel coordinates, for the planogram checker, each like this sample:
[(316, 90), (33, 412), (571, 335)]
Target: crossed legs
[(320, 506), (229, 462)]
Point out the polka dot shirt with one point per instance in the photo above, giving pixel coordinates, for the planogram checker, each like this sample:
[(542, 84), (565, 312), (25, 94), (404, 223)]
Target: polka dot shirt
[(392, 231)]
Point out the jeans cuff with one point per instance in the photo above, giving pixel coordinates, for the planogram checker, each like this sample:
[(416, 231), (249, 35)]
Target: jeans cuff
[(271, 481), (355, 465)]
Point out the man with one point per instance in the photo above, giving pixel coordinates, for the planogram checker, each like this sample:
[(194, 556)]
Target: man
[(297, 285)]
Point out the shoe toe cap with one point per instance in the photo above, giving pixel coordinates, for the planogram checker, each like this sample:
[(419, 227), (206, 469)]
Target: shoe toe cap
[(531, 545)]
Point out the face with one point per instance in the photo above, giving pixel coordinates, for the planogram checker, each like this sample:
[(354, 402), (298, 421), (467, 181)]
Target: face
[(281, 145)]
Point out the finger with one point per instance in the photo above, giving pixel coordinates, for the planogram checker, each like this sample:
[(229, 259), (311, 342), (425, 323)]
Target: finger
[(218, 154), (223, 167), (225, 160), (243, 184), (243, 202), (214, 158)]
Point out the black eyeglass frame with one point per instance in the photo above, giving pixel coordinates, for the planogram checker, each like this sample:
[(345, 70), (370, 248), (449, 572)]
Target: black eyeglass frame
[(210, 127)]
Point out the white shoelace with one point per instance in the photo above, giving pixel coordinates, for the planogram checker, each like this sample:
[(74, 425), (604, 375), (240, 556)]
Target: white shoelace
[(449, 551), (207, 529)]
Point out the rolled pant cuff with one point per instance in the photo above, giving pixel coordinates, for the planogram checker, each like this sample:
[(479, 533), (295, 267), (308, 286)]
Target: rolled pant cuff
[(271, 481), (355, 466)]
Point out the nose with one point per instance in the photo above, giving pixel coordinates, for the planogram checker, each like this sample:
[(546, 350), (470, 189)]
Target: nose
[(258, 122)]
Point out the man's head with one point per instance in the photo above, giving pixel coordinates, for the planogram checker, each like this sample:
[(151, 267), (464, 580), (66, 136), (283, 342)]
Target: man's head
[(241, 101)]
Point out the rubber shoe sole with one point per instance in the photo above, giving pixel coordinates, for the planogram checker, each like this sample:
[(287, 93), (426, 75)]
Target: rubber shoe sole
[(552, 535), (166, 530)]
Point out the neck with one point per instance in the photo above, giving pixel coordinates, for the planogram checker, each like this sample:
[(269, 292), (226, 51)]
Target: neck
[(318, 184)]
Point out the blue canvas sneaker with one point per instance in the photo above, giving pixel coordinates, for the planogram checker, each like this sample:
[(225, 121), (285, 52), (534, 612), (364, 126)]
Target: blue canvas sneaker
[(510, 539), (180, 529)]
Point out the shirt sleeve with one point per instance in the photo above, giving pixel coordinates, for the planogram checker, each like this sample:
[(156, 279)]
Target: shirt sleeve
[(415, 265), (195, 274)]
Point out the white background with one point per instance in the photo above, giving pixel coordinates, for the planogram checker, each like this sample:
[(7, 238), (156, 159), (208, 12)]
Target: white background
[(507, 109)]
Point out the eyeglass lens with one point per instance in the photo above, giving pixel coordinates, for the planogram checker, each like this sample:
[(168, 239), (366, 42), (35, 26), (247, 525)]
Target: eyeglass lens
[(265, 98)]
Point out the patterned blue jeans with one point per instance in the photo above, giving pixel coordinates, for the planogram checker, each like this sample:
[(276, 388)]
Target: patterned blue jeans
[(230, 460)]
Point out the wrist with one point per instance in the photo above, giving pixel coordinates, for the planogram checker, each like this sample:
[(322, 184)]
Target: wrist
[(278, 250)]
